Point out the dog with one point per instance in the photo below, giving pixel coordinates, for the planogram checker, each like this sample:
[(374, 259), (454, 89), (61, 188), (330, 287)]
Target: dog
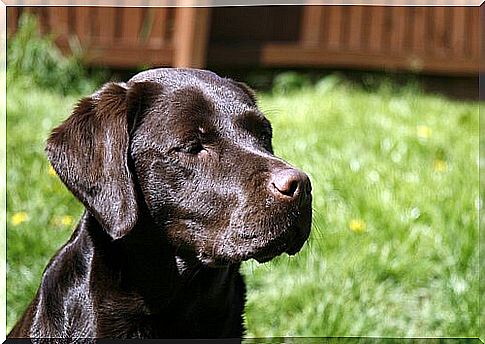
[(176, 171)]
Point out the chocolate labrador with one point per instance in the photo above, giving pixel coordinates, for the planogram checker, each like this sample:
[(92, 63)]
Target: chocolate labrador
[(176, 171)]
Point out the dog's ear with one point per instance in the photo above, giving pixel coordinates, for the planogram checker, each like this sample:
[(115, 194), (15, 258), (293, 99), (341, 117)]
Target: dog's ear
[(89, 152), (248, 90)]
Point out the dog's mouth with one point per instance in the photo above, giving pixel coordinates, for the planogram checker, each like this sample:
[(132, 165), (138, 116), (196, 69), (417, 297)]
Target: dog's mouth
[(290, 243)]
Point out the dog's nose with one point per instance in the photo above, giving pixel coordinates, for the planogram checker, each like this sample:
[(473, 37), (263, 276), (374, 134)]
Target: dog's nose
[(290, 184)]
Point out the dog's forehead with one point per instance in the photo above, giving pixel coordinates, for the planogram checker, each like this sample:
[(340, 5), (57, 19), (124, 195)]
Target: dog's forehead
[(192, 91), (220, 90)]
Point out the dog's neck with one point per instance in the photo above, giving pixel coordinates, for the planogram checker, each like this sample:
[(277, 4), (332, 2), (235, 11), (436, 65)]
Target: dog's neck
[(143, 262), (140, 288)]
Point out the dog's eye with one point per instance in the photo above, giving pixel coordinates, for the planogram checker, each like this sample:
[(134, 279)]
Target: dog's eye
[(257, 126), (191, 148)]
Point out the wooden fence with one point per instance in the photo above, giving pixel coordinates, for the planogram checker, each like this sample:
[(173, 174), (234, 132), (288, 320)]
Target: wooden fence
[(431, 39), (442, 40), (125, 36)]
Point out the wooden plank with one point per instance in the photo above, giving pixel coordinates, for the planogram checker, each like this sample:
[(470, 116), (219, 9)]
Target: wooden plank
[(376, 29), (365, 27), (164, 22), (295, 55), (284, 55), (126, 57), (43, 15), (131, 20), (458, 31), (145, 27), (311, 25), (106, 17), (59, 20), (439, 41), (335, 27), (324, 26), (356, 20), (386, 37), (13, 14), (473, 32), (447, 29), (94, 23), (191, 36), (59, 23), (27, 9), (408, 29), (481, 43), (419, 32), (171, 13), (159, 26), (430, 31), (82, 24), (398, 29)]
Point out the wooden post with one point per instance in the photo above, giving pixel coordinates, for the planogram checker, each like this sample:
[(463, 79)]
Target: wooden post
[(13, 14), (191, 36)]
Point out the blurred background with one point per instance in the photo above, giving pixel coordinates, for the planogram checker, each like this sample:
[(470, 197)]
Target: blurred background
[(439, 41), (378, 104)]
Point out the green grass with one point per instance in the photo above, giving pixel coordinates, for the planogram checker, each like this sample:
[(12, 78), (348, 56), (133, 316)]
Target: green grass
[(401, 164), (413, 271), (31, 114)]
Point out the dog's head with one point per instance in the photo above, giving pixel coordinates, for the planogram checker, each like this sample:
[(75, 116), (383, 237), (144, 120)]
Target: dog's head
[(199, 151)]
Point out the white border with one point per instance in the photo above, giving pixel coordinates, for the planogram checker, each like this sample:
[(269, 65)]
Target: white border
[(141, 3)]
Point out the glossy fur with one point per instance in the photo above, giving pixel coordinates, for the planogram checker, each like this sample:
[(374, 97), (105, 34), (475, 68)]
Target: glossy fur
[(176, 171)]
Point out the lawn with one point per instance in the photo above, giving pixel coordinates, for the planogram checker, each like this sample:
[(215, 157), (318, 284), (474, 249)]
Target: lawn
[(393, 250), (394, 244)]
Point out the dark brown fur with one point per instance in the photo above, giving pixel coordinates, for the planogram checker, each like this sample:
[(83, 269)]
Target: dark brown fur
[(176, 171)]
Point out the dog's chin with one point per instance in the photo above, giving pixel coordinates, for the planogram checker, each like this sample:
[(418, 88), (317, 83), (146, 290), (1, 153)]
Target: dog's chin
[(261, 256), (290, 242), (272, 250)]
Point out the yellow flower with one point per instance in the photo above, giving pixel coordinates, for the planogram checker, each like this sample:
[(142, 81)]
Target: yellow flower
[(66, 220), (423, 131), (19, 217), (51, 171), (440, 165), (357, 225)]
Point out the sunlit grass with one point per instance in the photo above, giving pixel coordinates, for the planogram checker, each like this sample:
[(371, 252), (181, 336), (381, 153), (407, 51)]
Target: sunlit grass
[(37, 202), (394, 245), (393, 251)]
